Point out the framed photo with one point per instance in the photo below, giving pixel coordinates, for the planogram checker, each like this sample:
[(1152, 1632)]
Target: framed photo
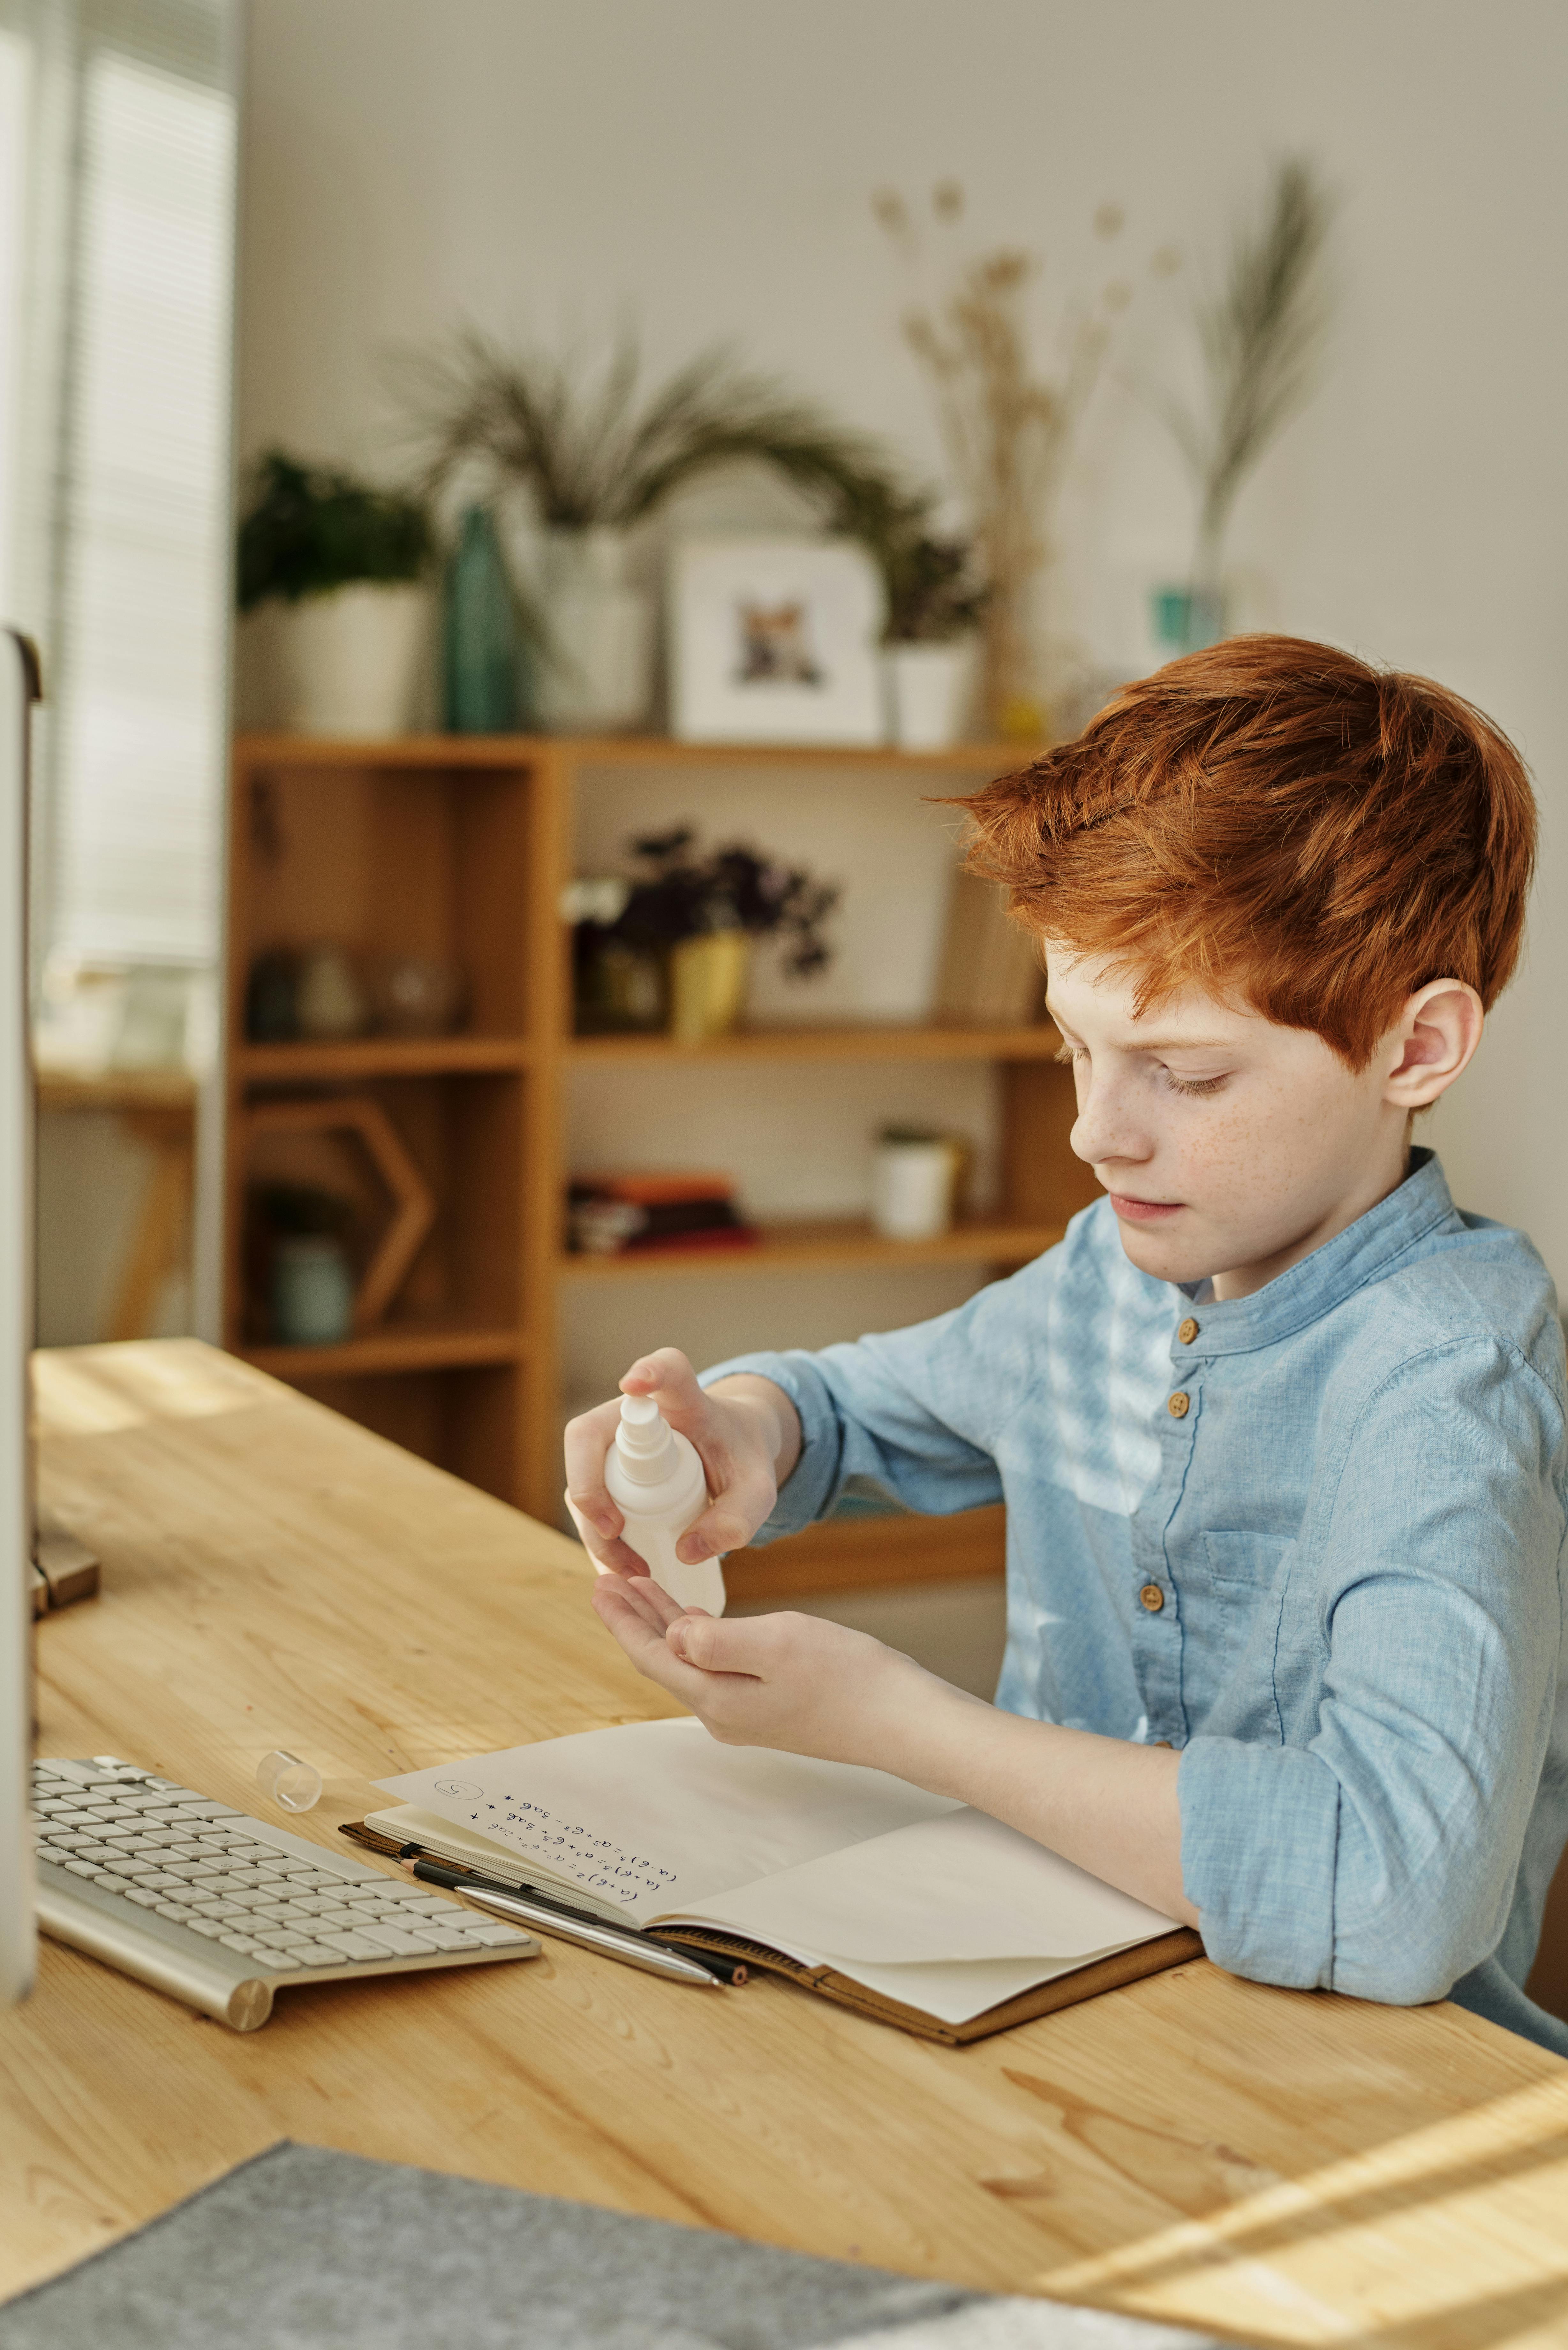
[(775, 641)]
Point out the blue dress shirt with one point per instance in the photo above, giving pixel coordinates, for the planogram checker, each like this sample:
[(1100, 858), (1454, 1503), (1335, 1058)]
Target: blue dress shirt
[(1314, 1538)]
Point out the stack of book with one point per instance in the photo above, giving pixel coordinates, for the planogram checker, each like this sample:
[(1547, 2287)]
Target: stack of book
[(611, 1215)]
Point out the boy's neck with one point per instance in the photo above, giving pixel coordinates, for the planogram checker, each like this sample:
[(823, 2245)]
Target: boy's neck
[(1378, 1180)]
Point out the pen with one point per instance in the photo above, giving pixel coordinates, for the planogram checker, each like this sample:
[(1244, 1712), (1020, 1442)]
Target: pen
[(613, 1941)]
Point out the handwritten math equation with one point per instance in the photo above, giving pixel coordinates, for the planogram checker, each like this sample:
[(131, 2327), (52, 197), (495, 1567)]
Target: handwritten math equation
[(571, 1851)]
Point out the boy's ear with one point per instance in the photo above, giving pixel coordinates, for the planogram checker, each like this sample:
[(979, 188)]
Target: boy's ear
[(1433, 1040)]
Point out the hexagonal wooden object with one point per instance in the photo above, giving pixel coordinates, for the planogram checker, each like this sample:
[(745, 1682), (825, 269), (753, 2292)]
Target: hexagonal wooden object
[(414, 1201)]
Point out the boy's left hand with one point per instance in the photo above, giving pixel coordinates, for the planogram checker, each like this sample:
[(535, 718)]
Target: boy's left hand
[(789, 1681)]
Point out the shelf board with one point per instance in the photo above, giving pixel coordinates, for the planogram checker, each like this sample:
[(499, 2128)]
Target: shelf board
[(380, 1056), (858, 1552), (800, 1247), (523, 751), (853, 1042), (396, 1346)]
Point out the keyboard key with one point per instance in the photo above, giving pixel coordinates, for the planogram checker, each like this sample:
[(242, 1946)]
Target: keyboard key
[(171, 1910), (277, 1962), (352, 1946), (209, 1927), (81, 1868), (110, 1882), (316, 1954), (142, 1900), (451, 1938), (392, 1938), (496, 1937), (241, 1942)]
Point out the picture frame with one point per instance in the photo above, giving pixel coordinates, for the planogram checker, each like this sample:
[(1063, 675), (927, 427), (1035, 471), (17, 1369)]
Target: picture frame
[(775, 640)]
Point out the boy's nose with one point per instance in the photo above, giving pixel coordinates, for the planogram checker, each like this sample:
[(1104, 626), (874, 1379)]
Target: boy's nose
[(1102, 1131)]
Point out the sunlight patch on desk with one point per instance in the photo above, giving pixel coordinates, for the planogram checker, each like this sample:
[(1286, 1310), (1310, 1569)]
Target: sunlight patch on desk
[(1389, 2213), (99, 1390)]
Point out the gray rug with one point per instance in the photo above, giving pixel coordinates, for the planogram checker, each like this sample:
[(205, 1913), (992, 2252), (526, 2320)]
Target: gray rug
[(306, 2250)]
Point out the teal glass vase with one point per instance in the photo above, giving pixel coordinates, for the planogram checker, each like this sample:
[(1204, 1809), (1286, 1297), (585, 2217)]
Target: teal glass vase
[(482, 653)]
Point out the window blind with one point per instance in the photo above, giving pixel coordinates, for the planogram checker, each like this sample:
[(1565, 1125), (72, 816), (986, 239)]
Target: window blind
[(134, 600)]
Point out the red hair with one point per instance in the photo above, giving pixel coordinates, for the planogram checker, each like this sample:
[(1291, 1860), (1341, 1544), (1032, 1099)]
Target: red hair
[(1275, 820)]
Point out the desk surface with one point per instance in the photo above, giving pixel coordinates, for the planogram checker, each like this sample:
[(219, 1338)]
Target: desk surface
[(1286, 2166)]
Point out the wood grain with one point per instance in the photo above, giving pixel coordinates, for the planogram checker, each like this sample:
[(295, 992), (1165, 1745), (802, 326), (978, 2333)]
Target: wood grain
[(1285, 2167)]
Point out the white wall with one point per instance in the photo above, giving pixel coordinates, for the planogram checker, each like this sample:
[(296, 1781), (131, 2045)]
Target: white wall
[(704, 166)]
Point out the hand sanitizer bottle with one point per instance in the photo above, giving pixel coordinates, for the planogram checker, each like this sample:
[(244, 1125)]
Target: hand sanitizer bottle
[(655, 1478)]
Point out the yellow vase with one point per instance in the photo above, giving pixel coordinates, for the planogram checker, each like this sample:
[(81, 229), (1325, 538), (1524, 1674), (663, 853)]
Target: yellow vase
[(707, 984)]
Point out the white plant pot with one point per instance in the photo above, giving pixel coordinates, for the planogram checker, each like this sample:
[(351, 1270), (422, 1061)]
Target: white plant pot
[(595, 675), (351, 662), (930, 691)]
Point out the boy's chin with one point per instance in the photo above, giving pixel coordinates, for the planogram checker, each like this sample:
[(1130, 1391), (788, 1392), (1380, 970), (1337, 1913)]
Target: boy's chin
[(1166, 1251)]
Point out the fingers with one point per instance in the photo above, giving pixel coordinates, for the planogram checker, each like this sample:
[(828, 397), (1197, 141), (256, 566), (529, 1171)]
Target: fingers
[(738, 1646), (616, 1604), (733, 1516), (588, 1440), (610, 1555), (670, 1380)]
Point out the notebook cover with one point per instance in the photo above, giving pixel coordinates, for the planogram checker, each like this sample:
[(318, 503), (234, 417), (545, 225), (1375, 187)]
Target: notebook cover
[(1063, 1990)]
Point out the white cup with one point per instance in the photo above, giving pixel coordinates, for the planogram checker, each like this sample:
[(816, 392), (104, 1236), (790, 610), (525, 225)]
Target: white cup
[(914, 1176)]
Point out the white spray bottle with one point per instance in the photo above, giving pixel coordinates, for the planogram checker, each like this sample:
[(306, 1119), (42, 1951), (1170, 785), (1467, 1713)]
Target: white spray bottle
[(655, 1479)]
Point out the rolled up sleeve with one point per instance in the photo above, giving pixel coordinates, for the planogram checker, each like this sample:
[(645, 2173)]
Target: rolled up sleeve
[(911, 1412), (1378, 1855)]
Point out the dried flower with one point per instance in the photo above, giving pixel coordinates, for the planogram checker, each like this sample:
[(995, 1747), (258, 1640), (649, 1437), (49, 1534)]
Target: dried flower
[(1007, 429), (1262, 338)]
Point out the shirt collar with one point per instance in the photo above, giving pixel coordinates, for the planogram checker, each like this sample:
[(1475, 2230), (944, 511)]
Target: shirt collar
[(1304, 1292)]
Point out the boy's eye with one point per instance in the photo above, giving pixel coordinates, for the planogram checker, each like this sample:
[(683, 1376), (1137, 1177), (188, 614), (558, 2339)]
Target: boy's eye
[(1067, 1054), (1193, 1085)]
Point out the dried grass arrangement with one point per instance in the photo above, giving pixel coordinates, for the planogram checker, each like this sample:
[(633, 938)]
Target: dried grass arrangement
[(1261, 337), (1007, 425), (591, 447)]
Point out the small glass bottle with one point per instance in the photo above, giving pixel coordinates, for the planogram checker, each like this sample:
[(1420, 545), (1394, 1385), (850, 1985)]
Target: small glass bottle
[(480, 648)]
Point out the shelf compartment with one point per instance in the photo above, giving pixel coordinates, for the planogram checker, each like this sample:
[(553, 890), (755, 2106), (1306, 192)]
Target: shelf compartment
[(395, 1348), (892, 1041), (378, 1056), (385, 858), (850, 1241)]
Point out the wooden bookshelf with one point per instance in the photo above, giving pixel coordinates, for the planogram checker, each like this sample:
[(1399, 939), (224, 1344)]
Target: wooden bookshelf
[(459, 845)]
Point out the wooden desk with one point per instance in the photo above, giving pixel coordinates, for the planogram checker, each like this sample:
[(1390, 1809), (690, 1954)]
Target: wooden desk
[(1284, 2167)]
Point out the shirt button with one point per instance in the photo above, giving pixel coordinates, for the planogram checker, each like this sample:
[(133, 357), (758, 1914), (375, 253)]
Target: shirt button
[(1153, 1597), (1187, 1332), (1179, 1405)]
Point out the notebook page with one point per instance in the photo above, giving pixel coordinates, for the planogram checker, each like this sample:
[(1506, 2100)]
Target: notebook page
[(959, 1887), (654, 1815)]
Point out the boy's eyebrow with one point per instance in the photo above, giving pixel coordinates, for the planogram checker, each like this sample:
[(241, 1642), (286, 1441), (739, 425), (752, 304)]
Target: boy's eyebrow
[(1161, 1044)]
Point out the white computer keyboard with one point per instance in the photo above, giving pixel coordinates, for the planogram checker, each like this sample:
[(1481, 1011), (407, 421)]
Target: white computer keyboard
[(220, 1908)]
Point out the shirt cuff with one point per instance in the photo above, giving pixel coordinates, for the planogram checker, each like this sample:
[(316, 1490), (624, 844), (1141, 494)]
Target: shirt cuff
[(1259, 1830), (811, 1487)]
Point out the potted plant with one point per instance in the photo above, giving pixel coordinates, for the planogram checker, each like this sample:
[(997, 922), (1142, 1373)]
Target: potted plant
[(346, 564), (590, 458), (671, 946), (1261, 339), (934, 606)]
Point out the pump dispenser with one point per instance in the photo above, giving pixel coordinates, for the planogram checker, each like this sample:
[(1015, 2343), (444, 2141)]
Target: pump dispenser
[(655, 1479)]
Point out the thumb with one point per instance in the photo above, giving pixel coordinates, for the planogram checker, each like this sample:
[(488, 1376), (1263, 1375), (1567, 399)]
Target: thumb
[(714, 1647)]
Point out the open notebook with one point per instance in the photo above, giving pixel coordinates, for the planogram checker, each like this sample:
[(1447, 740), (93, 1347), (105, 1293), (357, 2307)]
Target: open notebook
[(903, 1904)]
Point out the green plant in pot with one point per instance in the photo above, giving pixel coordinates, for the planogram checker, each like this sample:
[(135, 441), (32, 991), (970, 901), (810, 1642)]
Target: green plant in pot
[(589, 456), (671, 946), (935, 603), (344, 567)]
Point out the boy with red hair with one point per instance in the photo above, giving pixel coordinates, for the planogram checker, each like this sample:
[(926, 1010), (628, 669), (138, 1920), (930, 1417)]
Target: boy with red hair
[(1280, 1430)]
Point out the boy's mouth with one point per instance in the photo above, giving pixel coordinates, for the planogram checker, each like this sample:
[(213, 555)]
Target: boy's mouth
[(1144, 1212)]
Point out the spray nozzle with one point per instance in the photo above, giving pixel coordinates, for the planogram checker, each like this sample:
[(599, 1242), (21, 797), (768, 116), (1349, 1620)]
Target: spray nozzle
[(642, 1434)]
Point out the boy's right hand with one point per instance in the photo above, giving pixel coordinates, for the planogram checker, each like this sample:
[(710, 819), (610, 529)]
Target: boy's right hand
[(747, 1435)]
